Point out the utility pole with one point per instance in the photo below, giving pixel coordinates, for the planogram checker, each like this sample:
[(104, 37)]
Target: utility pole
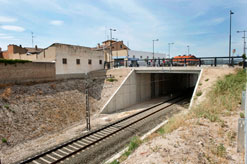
[(111, 43), (153, 50), (230, 37), (87, 105), (32, 38), (244, 50)]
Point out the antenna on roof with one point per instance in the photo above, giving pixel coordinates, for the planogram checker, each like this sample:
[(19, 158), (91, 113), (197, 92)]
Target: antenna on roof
[(32, 38)]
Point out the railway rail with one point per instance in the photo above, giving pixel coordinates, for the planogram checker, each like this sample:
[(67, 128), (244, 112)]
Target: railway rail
[(64, 151)]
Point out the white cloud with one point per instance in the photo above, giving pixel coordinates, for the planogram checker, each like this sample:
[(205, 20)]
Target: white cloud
[(4, 19), (218, 20), (56, 22), (13, 28), (6, 37)]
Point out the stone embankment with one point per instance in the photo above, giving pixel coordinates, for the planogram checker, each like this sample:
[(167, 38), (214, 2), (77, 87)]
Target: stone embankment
[(33, 110)]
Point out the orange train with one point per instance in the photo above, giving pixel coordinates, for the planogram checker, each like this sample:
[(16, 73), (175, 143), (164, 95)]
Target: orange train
[(190, 59)]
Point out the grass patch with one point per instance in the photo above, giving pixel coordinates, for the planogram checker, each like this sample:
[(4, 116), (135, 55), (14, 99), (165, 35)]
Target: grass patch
[(13, 61), (133, 145), (241, 115), (111, 79), (224, 97), (206, 79), (115, 162), (220, 150)]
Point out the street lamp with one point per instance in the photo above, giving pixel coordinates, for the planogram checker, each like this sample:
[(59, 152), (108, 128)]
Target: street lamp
[(188, 50), (244, 52), (169, 48), (230, 34), (111, 43), (153, 49)]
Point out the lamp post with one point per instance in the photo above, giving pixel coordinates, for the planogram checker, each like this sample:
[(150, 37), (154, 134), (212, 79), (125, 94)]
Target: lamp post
[(188, 50), (169, 49), (153, 50), (230, 35), (111, 43), (244, 51)]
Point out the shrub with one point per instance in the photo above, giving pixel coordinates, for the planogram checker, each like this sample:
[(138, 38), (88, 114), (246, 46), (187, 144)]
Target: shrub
[(206, 79), (13, 61), (221, 150), (6, 94), (6, 106), (4, 140), (134, 143), (199, 93), (241, 115)]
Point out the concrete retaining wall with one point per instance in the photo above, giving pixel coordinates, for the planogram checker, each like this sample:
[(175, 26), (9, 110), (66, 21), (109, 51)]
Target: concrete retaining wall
[(26, 72), (135, 88), (139, 87)]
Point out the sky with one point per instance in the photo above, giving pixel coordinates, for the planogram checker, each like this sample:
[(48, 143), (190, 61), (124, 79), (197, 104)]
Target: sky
[(201, 24)]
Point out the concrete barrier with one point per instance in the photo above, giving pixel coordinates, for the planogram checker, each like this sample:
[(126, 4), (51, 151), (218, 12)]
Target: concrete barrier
[(243, 100), (240, 142)]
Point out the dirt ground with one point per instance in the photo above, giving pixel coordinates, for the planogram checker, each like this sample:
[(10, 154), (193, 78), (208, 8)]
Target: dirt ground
[(199, 140), (209, 76), (27, 148), (34, 117)]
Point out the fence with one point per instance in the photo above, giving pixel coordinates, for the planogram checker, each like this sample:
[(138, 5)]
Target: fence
[(166, 62)]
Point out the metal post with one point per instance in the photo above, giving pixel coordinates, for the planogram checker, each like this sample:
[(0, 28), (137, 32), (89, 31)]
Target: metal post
[(153, 51), (87, 111), (184, 61), (245, 126), (215, 62), (111, 44), (200, 62), (230, 35), (188, 50)]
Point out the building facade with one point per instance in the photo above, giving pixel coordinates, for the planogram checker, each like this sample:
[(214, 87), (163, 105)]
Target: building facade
[(71, 60), (19, 52)]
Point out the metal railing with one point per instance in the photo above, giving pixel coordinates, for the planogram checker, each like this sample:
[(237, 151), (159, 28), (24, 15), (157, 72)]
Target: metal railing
[(166, 62)]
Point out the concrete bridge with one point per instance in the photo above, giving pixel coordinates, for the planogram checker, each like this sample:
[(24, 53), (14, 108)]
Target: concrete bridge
[(145, 83)]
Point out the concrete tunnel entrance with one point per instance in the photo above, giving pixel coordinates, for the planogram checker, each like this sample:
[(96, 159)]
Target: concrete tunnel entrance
[(143, 86), (169, 83)]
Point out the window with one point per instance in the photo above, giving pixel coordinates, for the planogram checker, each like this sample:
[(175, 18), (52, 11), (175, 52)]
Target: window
[(78, 61), (100, 61), (121, 46), (89, 61), (133, 56), (141, 57), (64, 61)]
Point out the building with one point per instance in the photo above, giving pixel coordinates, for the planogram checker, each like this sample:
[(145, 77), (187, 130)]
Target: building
[(114, 51), (123, 56), (72, 61), (19, 52)]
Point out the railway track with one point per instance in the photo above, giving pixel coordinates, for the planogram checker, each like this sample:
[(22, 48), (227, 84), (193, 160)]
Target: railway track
[(64, 151)]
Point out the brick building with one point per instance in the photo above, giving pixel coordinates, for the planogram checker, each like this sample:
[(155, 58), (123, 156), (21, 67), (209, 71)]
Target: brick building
[(19, 52)]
